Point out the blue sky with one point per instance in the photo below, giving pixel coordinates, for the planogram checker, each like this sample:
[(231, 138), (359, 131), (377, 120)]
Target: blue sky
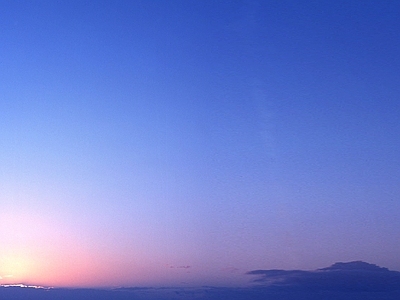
[(142, 136)]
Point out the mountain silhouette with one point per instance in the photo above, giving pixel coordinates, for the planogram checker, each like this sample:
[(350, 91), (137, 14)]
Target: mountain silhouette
[(349, 276), (355, 266)]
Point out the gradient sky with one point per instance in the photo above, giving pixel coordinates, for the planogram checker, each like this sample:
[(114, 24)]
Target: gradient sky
[(156, 143)]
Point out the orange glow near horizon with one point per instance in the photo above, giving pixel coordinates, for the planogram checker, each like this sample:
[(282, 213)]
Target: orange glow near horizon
[(14, 268), (72, 270), (41, 251), (44, 249)]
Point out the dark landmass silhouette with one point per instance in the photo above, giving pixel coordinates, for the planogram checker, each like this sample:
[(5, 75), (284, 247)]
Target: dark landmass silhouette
[(353, 280), (353, 276), (354, 265)]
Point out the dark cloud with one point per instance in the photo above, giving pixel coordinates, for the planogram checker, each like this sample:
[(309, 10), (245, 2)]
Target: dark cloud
[(178, 267), (183, 267), (351, 276)]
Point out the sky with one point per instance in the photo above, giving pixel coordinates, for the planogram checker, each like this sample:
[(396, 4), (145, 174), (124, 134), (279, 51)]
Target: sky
[(185, 143)]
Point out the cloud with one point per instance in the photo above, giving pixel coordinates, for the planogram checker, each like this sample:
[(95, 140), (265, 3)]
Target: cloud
[(351, 276), (183, 267), (177, 267)]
